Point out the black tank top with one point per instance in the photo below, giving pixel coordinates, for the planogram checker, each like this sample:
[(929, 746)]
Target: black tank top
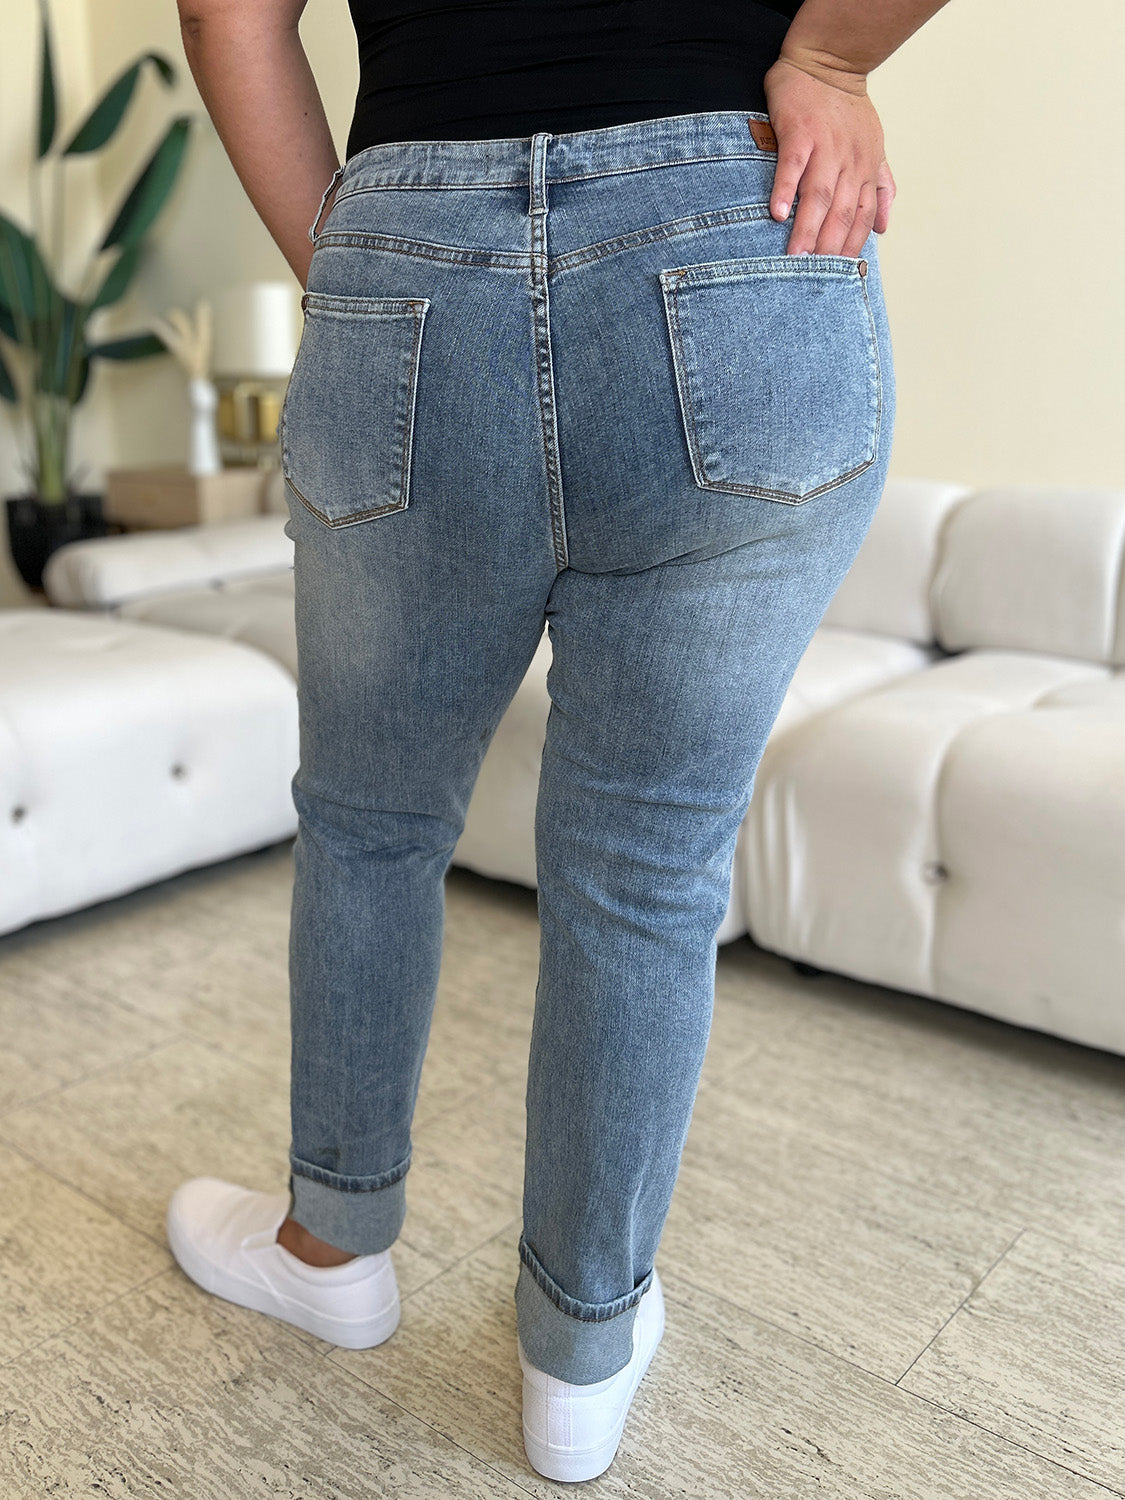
[(477, 69)]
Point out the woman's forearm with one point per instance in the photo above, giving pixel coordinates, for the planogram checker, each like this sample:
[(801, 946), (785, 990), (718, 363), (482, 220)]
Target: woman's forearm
[(842, 41), (255, 80)]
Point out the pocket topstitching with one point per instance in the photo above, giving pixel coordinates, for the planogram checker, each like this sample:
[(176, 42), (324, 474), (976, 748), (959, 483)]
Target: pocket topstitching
[(776, 365), (346, 431)]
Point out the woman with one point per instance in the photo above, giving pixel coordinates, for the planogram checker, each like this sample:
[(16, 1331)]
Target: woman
[(594, 336)]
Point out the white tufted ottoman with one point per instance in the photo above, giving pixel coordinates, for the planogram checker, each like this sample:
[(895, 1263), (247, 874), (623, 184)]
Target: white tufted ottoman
[(129, 753)]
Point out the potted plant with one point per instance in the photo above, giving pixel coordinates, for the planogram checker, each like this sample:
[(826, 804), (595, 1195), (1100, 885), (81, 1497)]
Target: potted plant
[(46, 362)]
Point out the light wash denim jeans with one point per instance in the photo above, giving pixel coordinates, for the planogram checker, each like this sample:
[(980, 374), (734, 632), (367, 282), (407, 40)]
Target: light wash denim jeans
[(571, 379)]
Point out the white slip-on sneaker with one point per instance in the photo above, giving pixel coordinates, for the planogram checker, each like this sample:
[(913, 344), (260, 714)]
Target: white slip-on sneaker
[(573, 1432), (225, 1238)]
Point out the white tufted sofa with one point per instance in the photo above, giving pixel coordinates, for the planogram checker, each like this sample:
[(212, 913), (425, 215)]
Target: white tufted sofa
[(131, 752), (941, 805)]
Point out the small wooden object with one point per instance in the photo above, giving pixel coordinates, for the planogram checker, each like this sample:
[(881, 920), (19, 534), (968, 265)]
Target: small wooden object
[(171, 496)]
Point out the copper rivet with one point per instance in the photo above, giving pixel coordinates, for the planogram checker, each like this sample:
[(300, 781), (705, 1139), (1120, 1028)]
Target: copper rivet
[(863, 268)]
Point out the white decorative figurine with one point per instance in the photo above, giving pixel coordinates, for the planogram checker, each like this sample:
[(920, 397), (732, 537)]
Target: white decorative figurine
[(190, 341)]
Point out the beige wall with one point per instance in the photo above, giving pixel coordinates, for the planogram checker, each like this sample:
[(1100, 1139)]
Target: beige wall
[(1003, 259), (1009, 338)]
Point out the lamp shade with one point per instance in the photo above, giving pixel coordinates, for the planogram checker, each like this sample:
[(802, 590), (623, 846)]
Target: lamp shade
[(256, 329)]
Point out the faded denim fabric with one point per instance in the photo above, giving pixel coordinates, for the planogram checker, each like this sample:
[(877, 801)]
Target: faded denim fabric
[(575, 381)]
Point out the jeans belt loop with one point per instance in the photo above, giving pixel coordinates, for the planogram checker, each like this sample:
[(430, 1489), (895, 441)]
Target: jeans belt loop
[(336, 175)]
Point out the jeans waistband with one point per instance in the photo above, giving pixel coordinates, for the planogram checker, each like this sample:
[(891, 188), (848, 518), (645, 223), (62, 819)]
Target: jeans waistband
[(538, 160)]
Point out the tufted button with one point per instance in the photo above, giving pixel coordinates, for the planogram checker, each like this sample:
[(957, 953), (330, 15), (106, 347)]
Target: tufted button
[(934, 873), (18, 814), (179, 771)]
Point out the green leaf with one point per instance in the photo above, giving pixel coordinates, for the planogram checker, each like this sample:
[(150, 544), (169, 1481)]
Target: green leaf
[(100, 124), (8, 323), (25, 282), (8, 390), (47, 111), (135, 346), (146, 197), (118, 277), (83, 378), (57, 345)]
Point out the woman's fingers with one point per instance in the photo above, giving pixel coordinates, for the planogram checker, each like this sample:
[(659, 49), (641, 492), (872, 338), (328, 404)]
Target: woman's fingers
[(820, 210), (867, 202), (885, 189), (864, 220), (835, 216), (793, 156)]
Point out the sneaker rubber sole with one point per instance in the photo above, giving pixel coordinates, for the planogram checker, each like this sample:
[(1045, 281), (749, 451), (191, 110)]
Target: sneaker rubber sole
[(263, 1296)]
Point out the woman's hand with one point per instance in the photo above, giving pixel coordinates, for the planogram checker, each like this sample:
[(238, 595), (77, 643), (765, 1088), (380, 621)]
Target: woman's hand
[(830, 157)]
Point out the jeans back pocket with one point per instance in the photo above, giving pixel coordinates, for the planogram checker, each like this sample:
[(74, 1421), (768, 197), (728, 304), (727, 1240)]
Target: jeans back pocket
[(347, 421), (776, 362)]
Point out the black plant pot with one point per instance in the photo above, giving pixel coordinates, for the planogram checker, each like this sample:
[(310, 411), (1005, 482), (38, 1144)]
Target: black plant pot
[(36, 528)]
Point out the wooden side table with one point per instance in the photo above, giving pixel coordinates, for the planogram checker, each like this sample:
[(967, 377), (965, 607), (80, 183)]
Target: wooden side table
[(157, 498)]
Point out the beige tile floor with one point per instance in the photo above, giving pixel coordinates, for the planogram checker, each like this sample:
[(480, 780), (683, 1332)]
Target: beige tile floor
[(895, 1263)]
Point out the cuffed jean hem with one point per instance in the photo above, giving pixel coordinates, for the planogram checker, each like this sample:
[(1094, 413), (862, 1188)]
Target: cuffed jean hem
[(360, 1214), (580, 1342)]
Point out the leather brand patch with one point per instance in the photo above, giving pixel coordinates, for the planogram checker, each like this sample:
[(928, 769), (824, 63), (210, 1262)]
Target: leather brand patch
[(762, 131)]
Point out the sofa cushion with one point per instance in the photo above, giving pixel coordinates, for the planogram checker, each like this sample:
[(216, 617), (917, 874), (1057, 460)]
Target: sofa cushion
[(958, 833), (887, 588), (1032, 820), (256, 610), (840, 664), (129, 753), (1035, 568), (103, 572)]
